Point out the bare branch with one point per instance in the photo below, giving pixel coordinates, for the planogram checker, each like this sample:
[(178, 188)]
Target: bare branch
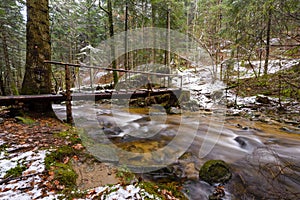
[(103, 8)]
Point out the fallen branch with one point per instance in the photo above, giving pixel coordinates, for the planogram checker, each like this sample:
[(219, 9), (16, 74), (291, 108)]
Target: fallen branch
[(18, 178)]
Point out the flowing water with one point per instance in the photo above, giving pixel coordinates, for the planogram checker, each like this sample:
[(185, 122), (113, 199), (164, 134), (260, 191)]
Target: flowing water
[(264, 158)]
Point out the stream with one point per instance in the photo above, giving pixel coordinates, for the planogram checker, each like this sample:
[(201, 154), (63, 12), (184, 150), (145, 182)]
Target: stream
[(264, 157)]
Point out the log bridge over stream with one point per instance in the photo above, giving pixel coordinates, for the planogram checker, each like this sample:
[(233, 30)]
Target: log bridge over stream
[(68, 96)]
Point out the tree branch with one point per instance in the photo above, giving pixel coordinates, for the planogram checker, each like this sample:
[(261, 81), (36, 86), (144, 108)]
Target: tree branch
[(103, 9)]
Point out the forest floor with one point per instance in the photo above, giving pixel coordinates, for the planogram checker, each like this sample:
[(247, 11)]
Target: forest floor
[(24, 145), (284, 83), (43, 158), (275, 97)]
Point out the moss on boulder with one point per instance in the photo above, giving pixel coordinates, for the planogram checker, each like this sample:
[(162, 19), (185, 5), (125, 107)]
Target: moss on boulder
[(215, 171)]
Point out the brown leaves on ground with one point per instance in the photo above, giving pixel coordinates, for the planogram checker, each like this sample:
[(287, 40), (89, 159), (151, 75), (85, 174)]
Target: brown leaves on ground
[(78, 147), (168, 195), (31, 137), (36, 136)]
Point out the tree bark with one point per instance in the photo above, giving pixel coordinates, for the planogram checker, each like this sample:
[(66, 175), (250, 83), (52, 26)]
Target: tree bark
[(168, 45), (2, 89), (268, 42), (37, 79), (112, 46), (7, 73), (126, 65), (153, 21)]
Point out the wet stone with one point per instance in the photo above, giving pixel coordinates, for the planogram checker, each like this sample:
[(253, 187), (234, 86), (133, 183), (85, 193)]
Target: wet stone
[(242, 127), (241, 141), (286, 129)]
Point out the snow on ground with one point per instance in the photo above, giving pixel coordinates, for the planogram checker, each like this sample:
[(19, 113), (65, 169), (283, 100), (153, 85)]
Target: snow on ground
[(203, 87), (202, 82), (273, 67), (119, 192), (28, 186), (207, 90)]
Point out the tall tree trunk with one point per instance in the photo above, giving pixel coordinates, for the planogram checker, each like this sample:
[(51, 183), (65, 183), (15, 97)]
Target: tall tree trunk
[(168, 45), (126, 37), (19, 75), (7, 73), (2, 89), (153, 13), (112, 46), (37, 79), (268, 42)]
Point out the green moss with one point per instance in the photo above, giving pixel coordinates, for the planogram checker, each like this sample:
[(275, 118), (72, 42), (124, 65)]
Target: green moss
[(72, 135), (215, 171), (15, 172), (157, 189), (65, 175), (125, 175), (58, 155), (63, 172), (3, 147), (174, 189), (151, 188), (26, 120)]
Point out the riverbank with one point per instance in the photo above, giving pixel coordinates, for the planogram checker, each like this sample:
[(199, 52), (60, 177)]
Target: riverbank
[(43, 158)]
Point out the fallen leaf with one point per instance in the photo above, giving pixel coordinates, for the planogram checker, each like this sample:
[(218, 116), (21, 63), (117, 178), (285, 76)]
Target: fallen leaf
[(56, 182), (51, 173), (78, 146), (29, 172), (66, 160), (75, 158)]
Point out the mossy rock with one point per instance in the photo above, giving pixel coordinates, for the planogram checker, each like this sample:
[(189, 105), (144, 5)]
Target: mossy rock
[(215, 171)]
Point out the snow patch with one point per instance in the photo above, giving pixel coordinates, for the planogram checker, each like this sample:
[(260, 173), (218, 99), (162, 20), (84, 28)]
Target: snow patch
[(30, 180)]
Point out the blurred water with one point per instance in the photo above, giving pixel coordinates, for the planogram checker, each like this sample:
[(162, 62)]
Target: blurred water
[(264, 159)]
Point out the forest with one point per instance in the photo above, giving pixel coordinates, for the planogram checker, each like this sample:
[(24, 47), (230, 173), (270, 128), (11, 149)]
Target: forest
[(229, 30), (231, 131)]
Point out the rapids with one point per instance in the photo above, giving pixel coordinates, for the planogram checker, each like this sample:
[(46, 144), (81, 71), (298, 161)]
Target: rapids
[(264, 157)]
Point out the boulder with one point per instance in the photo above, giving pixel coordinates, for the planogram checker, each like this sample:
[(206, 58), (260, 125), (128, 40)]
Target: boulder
[(215, 171)]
